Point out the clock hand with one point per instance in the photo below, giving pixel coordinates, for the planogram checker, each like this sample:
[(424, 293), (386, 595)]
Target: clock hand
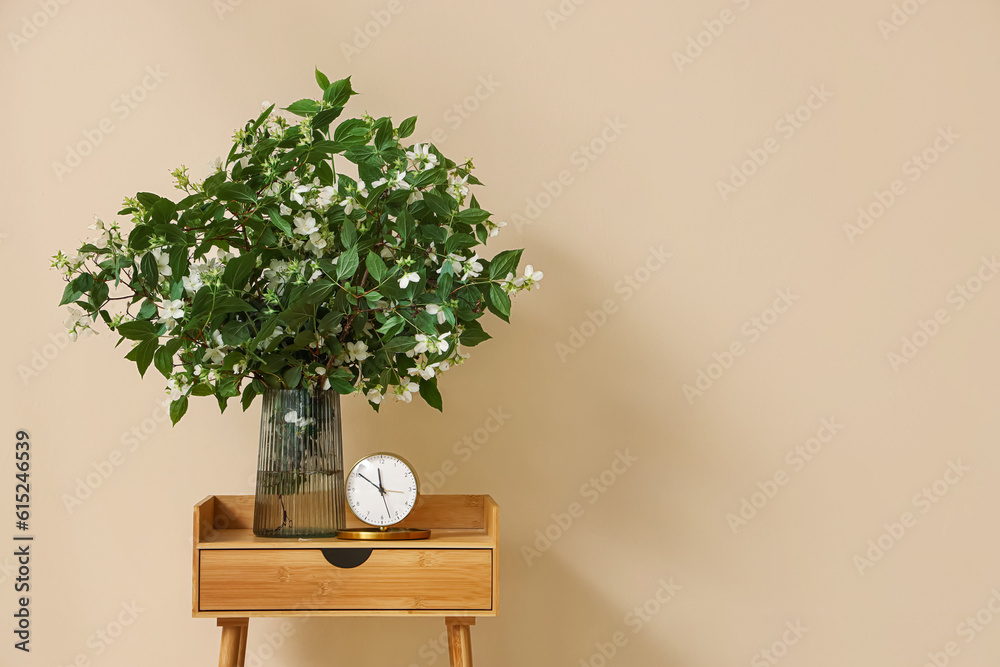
[(371, 482), (381, 488)]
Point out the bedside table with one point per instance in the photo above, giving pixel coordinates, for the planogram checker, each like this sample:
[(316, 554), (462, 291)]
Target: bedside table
[(452, 574)]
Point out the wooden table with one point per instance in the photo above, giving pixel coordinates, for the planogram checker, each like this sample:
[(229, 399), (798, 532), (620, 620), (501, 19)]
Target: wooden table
[(453, 574)]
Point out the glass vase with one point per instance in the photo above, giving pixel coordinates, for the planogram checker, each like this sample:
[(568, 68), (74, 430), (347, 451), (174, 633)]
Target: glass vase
[(300, 466)]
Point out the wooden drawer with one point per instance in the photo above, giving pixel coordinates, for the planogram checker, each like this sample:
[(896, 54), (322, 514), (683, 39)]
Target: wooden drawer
[(303, 579)]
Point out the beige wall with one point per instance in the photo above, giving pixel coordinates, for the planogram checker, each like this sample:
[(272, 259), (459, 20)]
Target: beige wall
[(556, 87)]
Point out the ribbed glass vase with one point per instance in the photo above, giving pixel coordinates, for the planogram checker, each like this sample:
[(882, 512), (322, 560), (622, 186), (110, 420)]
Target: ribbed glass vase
[(300, 467)]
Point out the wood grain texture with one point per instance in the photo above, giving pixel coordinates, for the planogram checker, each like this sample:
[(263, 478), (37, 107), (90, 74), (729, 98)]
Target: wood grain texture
[(460, 641), (302, 579)]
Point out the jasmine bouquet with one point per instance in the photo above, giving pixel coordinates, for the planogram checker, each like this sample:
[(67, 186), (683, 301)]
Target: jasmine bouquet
[(317, 255)]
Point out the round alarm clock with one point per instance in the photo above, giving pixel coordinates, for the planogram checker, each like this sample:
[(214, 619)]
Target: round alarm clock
[(382, 489)]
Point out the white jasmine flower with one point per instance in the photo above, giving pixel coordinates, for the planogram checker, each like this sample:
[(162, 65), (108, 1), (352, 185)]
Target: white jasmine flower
[(421, 157), (455, 261), (434, 309), (192, 282), (350, 206), (374, 395), (457, 186), (495, 227), (473, 267), (297, 193), (325, 196), (316, 274), (198, 369), (316, 242), (162, 262), (284, 209), (358, 351), (426, 372), (305, 224), (171, 310), (404, 392), (415, 195), (530, 277), (408, 278)]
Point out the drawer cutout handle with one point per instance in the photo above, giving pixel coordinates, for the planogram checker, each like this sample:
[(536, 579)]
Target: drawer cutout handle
[(346, 558)]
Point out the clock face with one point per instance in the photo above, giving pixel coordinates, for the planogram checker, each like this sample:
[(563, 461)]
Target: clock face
[(381, 489)]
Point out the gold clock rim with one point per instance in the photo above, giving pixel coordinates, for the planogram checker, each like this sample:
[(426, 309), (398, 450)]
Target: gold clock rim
[(416, 479)]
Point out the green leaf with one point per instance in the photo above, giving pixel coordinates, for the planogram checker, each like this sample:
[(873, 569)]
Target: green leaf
[(407, 126), (406, 225), (142, 354), (304, 107), (238, 270), (322, 120), (138, 330), (292, 376), (236, 192), (392, 326), (70, 294), (504, 263), (249, 394), (348, 234), (353, 131), (399, 344), (340, 381), (437, 203), (322, 80), (457, 242), (178, 408), (347, 264), (278, 221), (178, 261), (318, 292), (499, 302), (231, 304), (338, 92), (473, 334), (164, 361), (472, 216), (202, 389), (149, 269), (430, 393), (162, 212), (376, 267)]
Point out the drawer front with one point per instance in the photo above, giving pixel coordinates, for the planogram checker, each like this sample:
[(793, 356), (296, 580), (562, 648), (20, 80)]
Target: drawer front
[(390, 579)]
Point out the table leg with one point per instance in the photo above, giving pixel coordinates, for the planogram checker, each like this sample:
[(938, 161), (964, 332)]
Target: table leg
[(234, 641), (460, 640)]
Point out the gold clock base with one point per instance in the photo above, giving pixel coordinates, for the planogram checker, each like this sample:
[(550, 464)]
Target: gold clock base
[(389, 533)]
